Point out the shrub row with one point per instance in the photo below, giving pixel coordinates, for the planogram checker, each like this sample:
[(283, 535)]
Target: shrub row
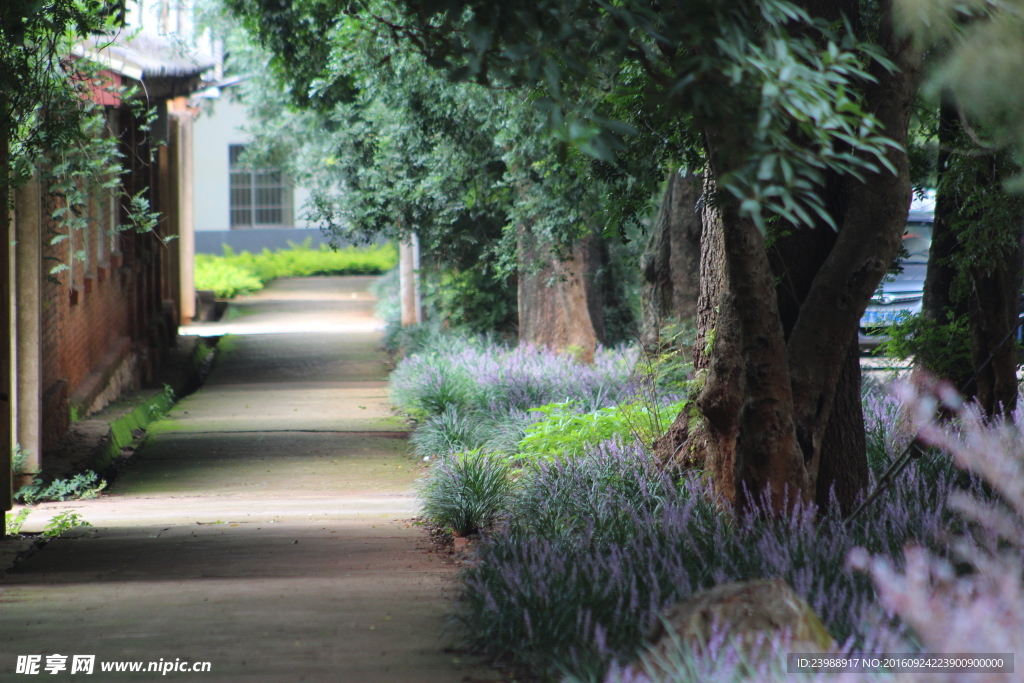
[(241, 273)]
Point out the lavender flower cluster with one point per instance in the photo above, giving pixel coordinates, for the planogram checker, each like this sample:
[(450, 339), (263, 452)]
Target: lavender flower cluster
[(478, 375), (968, 598), (594, 548), (586, 552), (474, 393)]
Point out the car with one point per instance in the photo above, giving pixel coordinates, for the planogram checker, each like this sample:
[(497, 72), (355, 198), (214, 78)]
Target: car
[(903, 292)]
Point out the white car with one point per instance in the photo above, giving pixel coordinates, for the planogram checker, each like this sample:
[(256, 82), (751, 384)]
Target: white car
[(902, 293)]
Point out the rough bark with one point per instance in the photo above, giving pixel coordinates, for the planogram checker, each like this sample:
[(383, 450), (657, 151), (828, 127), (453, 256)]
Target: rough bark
[(938, 282), (790, 383), (767, 461), (670, 265), (559, 304), (6, 445), (938, 305), (993, 306), (992, 281), (869, 239), (843, 471), (994, 301), (796, 260), (706, 436)]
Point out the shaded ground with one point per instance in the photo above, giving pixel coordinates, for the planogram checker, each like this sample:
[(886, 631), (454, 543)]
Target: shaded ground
[(264, 527)]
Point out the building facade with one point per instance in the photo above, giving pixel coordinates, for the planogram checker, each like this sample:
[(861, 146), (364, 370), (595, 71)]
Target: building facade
[(95, 311), (246, 209)]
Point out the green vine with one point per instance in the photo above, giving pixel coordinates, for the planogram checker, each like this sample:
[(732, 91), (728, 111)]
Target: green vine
[(88, 168)]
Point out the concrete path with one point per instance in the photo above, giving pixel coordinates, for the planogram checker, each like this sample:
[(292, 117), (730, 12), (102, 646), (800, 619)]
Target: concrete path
[(264, 527)]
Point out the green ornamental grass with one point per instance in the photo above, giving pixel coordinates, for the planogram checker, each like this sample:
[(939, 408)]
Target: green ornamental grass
[(465, 492)]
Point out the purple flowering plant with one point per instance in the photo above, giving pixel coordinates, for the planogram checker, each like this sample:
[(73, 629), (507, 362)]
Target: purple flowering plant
[(593, 548), (581, 554)]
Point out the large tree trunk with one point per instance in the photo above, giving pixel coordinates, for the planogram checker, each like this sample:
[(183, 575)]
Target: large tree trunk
[(993, 300), (869, 239), (559, 304), (993, 305), (843, 470), (768, 460), (939, 306), (938, 282), (706, 437), (985, 286), (796, 259), (670, 265), (791, 383)]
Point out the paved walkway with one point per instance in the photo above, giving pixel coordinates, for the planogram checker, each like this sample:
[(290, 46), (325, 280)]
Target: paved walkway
[(264, 527)]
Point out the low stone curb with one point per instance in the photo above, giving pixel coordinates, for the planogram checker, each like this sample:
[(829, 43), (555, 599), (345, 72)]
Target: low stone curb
[(96, 443)]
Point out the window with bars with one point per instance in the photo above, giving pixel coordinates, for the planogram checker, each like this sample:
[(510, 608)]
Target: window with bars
[(259, 199)]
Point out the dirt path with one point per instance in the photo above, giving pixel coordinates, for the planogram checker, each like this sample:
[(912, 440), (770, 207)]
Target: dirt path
[(264, 527)]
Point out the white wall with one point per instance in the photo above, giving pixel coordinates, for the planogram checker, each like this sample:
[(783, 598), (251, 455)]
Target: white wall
[(219, 125)]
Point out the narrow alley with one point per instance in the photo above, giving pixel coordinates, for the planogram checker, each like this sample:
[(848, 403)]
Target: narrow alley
[(264, 527)]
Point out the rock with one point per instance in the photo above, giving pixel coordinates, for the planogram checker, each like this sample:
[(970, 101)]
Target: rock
[(750, 614)]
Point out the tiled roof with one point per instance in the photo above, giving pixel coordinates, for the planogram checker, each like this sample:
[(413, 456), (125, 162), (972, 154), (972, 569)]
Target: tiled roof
[(143, 55)]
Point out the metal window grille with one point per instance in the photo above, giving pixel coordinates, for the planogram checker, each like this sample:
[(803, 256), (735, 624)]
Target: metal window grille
[(259, 199)]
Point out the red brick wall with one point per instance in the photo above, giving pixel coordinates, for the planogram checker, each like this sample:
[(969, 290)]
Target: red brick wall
[(55, 406), (85, 310), (108, 295)]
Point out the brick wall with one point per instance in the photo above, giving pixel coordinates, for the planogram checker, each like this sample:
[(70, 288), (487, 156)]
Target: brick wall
[(111, 291)]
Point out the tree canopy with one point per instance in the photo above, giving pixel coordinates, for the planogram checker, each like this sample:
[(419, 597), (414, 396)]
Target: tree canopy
[(606, 76), (798, 113), (39, 93)]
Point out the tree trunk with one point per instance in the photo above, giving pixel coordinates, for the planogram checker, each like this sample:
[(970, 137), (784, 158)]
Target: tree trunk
[(670, 265), (843, 471), (982, 281), (994, 298), (869, 239), (559, 304), (706, 436), (993, 305), (938, 282), (938, 305), (789, 386), (768, 460), (796, 259)]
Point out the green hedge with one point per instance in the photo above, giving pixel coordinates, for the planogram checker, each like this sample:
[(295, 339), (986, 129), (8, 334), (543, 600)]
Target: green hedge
[(233, 274)]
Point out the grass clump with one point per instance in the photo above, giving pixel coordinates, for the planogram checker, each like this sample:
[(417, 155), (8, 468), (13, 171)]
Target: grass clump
[(58, 524), (466, 491), (240, 273), (448, 432), (13, 525)]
